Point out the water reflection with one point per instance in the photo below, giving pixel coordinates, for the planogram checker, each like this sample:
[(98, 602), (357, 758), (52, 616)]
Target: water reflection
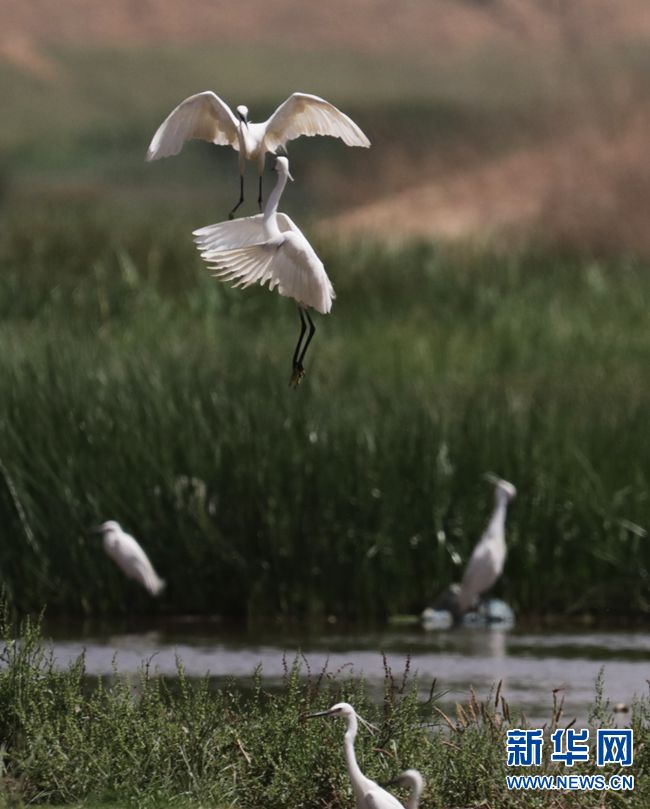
[(531, 664)]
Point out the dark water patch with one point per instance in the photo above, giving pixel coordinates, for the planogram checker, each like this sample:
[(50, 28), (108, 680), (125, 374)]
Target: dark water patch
[(531, 664)]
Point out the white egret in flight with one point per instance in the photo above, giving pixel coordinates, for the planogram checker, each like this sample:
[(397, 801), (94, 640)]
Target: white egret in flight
[(270, 247), (488, 557), (129, 556), (207, 117), (368, 794)]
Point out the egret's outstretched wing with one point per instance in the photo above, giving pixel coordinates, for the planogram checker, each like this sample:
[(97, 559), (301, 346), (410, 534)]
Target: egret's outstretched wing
[(289, 264), (235, 233), (231, 234), (204, 116), (304, 114), (299, 272), (243, 266)]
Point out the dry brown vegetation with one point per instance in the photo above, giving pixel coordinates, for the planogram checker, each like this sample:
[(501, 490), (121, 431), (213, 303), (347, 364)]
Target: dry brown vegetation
[(589, 189), (563, 157), (377, 25)]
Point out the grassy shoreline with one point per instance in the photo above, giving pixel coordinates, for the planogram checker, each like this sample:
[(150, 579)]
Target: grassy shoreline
[(147, 742)]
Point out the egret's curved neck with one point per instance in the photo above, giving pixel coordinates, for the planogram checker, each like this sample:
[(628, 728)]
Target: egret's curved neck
[(414, 798), (354, 771), (498, 518), (271, 207)]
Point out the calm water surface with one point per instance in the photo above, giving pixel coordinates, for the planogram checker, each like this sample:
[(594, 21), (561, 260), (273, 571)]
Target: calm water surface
[(530, 663)]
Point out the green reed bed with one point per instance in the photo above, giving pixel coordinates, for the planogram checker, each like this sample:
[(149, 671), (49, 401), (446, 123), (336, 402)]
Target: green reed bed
[(133, 387), (150, 742)]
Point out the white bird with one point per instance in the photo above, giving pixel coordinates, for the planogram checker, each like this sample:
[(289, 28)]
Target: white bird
[(488, 557), (413, 780), (270, 247), (129, 556), (206, 116), (368, 794)]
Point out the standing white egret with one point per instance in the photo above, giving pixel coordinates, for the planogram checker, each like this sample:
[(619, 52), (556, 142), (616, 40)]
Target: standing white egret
[(413, 780), (368, 794), (206, 116), (488, 557), (129, 556), (269, 247)]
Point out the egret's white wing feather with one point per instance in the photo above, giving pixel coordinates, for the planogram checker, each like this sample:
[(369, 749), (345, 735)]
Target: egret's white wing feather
[(244, 266), (480, 574), (291, 265), (231, 234), (299, 274), (131, 558), (304, 114), (147, 576), (286, 223), (304, 278), (203, 116), (234, 233)]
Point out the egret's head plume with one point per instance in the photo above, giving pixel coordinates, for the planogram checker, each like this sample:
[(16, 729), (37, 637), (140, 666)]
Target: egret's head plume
[(502, 487), (105, 527), (507, 488), (242, 112), (344, 709), (282, 168)]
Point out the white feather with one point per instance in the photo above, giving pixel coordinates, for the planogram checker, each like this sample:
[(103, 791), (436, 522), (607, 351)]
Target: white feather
[(269, 248), (125, 551), (204, 116), (208, 117), (488, 558), (305, 114)]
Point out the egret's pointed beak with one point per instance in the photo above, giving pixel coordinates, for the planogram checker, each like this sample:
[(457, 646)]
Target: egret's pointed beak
[(289, 176), (319, 713), (96, 529), (491, 478)]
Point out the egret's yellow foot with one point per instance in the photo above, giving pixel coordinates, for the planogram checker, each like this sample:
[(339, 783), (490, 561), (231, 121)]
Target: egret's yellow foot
[(296, 376)]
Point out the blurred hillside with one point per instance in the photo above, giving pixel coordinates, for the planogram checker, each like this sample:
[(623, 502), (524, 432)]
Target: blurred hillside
[(489, 118)]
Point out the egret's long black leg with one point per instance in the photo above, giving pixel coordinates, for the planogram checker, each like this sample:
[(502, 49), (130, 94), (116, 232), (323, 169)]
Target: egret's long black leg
[(259, 198), (298, 371), (303, 329), (312, 331), (241, 196)]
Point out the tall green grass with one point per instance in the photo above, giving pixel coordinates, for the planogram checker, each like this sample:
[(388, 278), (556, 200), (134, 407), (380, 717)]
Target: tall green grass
[(150, 742), (133, 387)]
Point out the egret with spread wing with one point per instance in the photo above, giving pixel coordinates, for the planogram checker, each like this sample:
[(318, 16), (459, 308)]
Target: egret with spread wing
[(368, 794), (129, 556), (269, 247), (207, 117)]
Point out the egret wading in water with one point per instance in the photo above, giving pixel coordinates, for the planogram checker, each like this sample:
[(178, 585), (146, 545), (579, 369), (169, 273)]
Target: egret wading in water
[(129, 556), (270, 247), (489, 556), (207, 117), (484, 567), (368, 794)]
